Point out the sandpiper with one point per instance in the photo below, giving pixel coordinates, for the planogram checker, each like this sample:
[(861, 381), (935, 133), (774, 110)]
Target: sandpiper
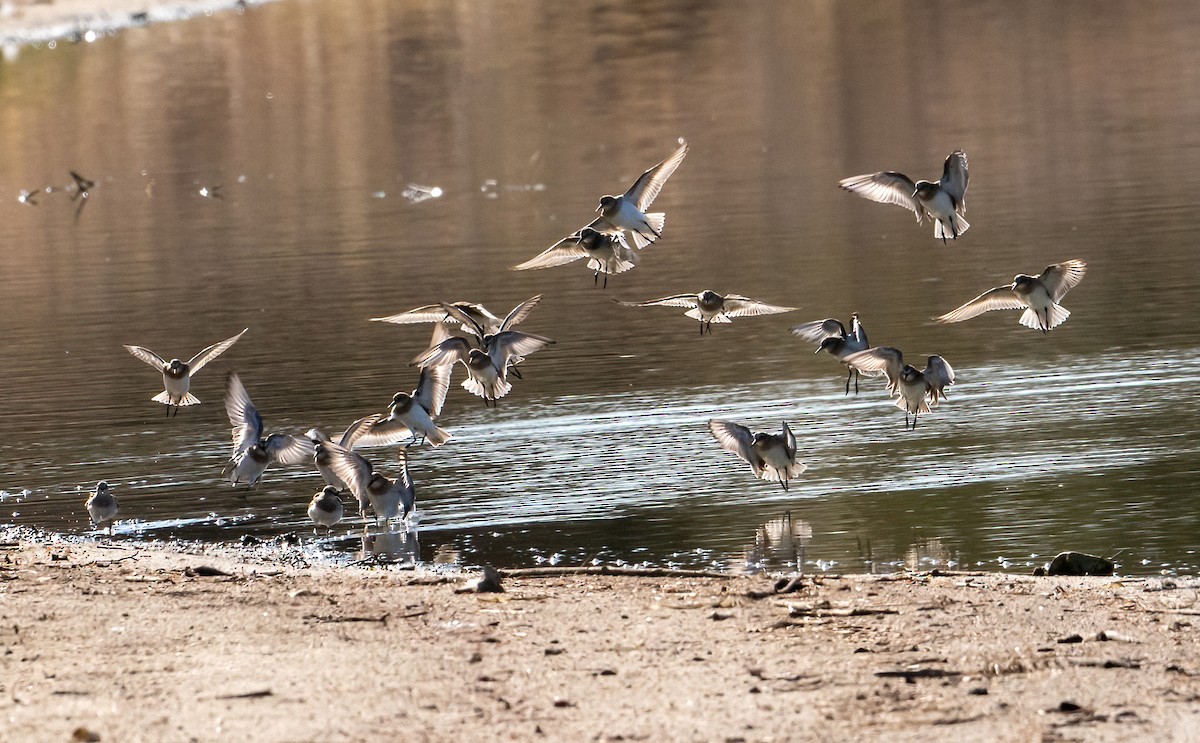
[(831, 337), (943, 200), (916, 390), (177, 375), (628, 211), (385, 496), (1039, 295), (102, 507), (251, 452), (326, 509), (709, 307), (606, 253), (411, 414), (771, 456)]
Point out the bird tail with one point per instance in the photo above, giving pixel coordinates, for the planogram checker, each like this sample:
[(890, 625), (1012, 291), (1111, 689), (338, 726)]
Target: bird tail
[(494, 391), (922, 407), (651, 231), (1058, 315), (438, 436), (614, 264), (959, 226), (695, 314), (165, 398)]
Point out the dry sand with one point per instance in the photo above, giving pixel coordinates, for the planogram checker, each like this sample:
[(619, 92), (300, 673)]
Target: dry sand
[(129, 643)]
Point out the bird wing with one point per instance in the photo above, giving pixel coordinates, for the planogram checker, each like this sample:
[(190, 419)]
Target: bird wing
[(888, 187), (287, 449), (739, 306), (646, 188), (383, 432), (879, 360), (355, 430), (1059, 278), (566, 250), (818, 330), (518, 314), (405, 480), (954, 178), (428, 313), (243, 416), (445, 353), (432, 387), (858, 332), (676, 300), (789, 441), (733, 437), (197, 362), (148, 356), (938, 372), (1000, 298), (350, 467), (510, 343)]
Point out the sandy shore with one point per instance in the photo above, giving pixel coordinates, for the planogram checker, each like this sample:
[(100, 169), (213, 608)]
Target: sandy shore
[(30, 21), (132, 642)]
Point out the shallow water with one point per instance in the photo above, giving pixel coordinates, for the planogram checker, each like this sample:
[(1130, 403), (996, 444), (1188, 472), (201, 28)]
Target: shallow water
[(314, 117)]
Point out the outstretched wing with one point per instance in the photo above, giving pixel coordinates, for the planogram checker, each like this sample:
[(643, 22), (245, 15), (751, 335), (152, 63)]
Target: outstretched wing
[(879, 360), (197, 362), (739, 306), (645, 189), (445, 353), (675, 300), (1000, 298), (428, 313), (954, 179), (518, 314), (350, 467), (514, 343), (148, 356), (566, 250), (287, 449), (432, 387), (888, 187), (1063, 277), (818, 330), (733, 437), (356, 430), (243, 416)]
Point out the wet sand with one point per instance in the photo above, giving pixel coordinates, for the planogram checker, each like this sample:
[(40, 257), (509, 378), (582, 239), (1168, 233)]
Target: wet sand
[(131, 642)]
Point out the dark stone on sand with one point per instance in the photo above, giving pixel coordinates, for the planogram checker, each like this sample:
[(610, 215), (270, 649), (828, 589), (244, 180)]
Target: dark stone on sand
[(1077, 563)]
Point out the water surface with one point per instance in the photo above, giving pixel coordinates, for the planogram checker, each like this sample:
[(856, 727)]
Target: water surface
[(314, 117)]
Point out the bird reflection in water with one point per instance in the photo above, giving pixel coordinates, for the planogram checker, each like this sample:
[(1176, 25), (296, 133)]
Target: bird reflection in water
[(779, 542), (383, 545), (927, 554)]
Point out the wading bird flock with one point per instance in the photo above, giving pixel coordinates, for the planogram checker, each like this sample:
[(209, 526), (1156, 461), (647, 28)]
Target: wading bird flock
[(490, 351)]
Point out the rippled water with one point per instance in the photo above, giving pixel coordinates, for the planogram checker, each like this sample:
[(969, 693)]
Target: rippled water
[(314, 117)]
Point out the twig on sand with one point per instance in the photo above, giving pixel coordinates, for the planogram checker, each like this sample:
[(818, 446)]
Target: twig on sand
[(319, 619), (820, 610), (248, 695), (908, 674), (106, 563)]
